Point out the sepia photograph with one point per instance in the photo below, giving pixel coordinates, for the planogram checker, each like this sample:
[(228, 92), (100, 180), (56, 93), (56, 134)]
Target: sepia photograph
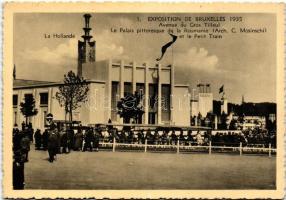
[(109, 100)]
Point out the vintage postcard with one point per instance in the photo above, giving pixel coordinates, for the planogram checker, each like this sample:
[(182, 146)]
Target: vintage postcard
[(143, 100)]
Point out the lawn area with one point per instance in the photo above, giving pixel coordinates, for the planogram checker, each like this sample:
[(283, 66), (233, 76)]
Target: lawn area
[(138, 170)]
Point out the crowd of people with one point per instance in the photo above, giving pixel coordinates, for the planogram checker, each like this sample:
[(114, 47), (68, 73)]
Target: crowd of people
[(57, 140), (88, 138), (67, 140)]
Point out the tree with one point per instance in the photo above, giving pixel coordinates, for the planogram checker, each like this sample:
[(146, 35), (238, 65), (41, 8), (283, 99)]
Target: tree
[(28, 107), (73, 92), (130, 107)]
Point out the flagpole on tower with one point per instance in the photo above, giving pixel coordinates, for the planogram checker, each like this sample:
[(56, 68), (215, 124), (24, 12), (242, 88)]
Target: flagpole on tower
[(172, 87), (163, 51)]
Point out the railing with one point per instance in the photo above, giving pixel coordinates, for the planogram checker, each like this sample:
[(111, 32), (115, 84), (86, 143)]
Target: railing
[(189, 148)]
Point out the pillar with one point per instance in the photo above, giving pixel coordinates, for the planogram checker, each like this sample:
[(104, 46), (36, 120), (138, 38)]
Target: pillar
[(19, 122), (109, 85), (121, 83), (215, 122), (50, 94), (34, 118), (133, 77), (37, 118), (159, 95), (146, 99)]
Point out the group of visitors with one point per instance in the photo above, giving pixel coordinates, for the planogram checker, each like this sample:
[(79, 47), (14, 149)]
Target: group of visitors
[(260, 136), (83, 139), (171, 137), (256, 137), (67, 140), (157, 137), (21, 148)]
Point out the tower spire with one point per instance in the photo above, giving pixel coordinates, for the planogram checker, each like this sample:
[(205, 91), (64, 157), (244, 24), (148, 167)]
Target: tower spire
[(86, 29), (86, 48), (224, 103)]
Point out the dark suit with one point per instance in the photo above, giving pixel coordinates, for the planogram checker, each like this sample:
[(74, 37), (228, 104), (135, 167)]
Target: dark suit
[(52, 145)]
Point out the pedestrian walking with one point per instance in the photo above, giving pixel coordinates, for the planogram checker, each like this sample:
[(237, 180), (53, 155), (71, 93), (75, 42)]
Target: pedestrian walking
[(38, 139), (52, 145), (78, 140)]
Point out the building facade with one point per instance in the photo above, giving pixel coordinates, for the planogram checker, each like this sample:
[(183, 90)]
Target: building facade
[(223, 107), (44, 94), (110, 80)]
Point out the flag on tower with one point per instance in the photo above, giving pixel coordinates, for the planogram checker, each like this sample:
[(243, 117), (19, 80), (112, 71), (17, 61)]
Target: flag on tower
[(166, 46), (221, 89)]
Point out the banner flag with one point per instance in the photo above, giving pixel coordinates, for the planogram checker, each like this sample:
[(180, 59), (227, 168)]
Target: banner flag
[(166, 46)]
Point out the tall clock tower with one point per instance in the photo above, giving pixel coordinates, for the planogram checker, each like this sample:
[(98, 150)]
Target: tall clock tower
[(86, 48)]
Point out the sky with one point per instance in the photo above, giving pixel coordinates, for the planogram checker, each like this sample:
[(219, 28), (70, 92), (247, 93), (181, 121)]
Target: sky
[(244, 63)]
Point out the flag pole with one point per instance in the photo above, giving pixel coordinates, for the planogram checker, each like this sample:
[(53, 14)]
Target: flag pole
[(159, 94), (172, 82), (172, 87)]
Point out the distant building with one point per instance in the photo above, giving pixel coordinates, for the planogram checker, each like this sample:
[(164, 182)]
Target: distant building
[(203, 102), (109, 80), (194, 104), (223, 107), (242, 99)]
